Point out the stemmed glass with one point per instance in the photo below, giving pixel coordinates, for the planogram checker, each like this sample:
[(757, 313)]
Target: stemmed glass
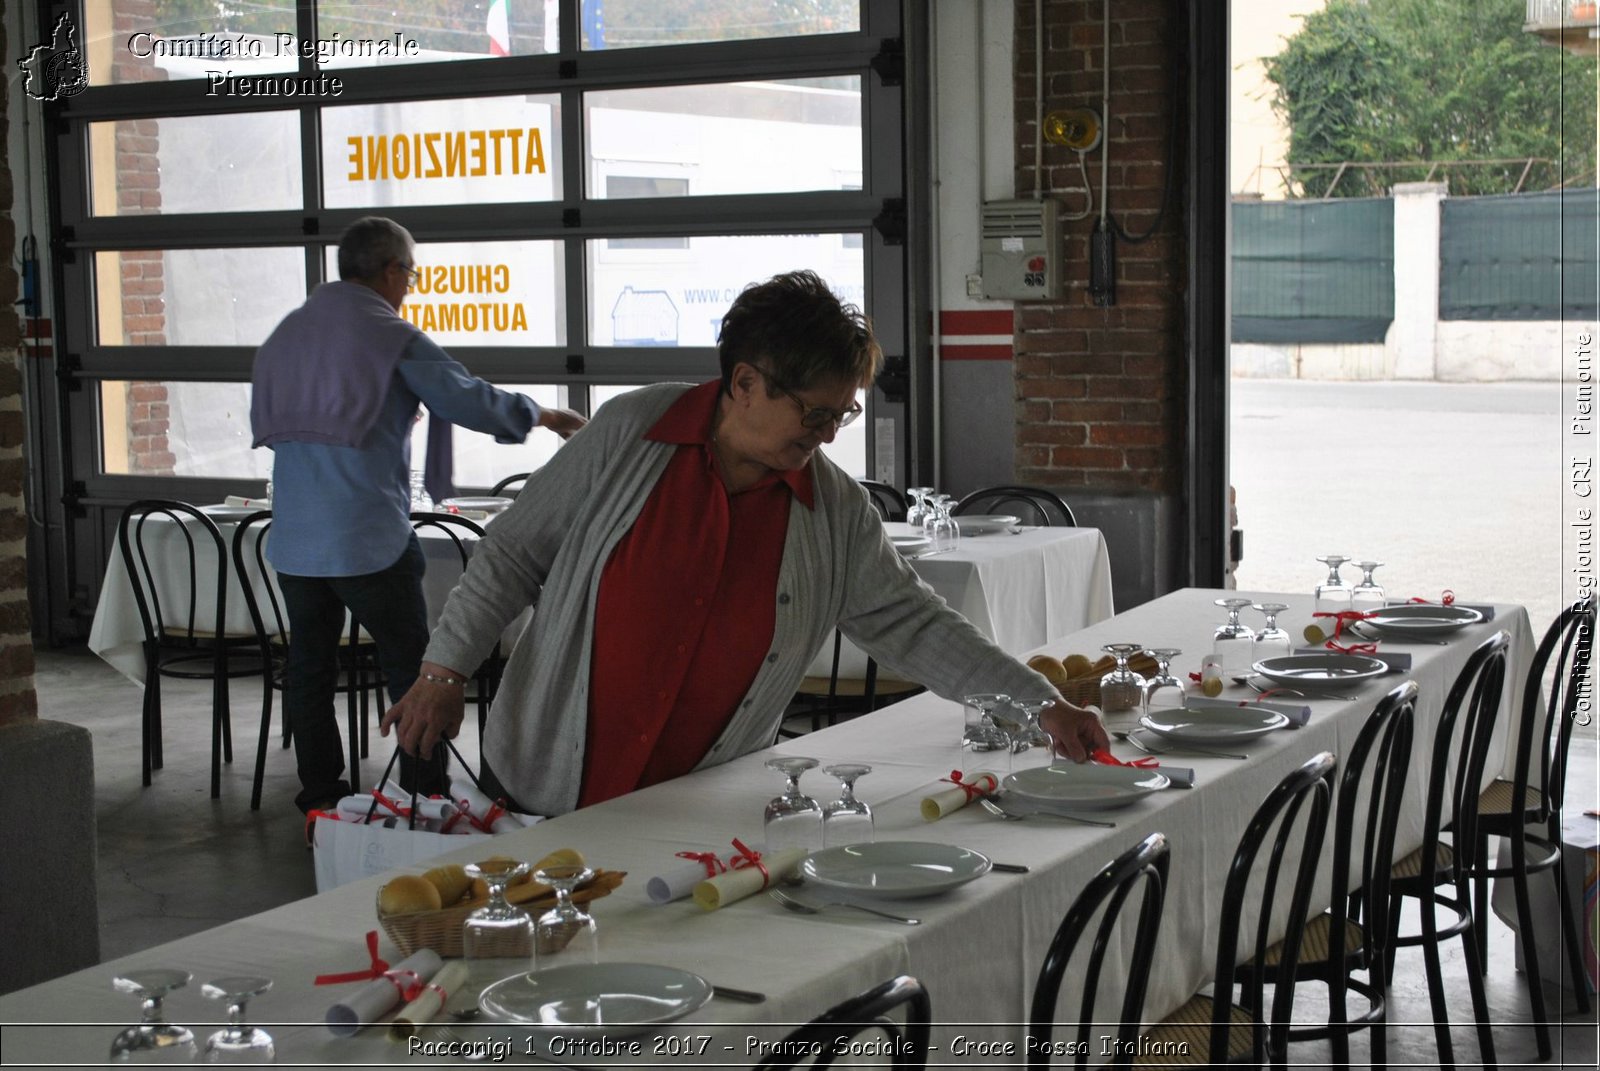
[(1368, 595), (847, 820), (981, 731), (1333, 594), (918, 513), (1122, 688), (238, 1043), (1030, 738), (1233, 643), (1163, 691), (154, 1040), (497, 929), (1272, 641), (566, 929), (792, 820)]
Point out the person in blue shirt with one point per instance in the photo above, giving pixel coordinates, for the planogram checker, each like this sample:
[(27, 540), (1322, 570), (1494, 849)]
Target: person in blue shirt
[(336, 388)]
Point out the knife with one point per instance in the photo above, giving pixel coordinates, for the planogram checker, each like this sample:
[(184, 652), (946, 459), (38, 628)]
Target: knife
[(739, 996)]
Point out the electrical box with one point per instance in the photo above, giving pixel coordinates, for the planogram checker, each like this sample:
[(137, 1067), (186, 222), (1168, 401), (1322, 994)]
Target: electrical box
[(1022, 249)]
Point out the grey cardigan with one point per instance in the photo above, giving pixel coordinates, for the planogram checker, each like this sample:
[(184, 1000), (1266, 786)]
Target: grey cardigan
[(549, 549)]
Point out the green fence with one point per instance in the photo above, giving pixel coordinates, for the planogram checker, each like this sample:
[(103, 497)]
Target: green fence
[(1527, 256), (1313, 271)]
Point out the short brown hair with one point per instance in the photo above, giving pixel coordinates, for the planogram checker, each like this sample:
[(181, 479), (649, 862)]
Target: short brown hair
[(797, 331)]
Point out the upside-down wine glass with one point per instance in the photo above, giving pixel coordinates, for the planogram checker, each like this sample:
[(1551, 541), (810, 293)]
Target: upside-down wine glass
[(566, 933), (1272, 641), (1030, 739), (792, 820), (1368, 595), (918, 513), (498, 929), (944, 528), (1333, 594), (1163, 691), (980, 730), (1122, 688), (1233, 642), (847, 820), (154, 1040), (238, 1043)]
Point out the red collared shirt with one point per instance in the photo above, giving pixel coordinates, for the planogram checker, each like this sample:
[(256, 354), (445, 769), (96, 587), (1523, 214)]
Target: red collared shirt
[(685, 612)]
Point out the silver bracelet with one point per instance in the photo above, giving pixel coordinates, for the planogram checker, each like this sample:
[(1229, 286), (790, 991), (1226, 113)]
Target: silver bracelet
[(435, 678)]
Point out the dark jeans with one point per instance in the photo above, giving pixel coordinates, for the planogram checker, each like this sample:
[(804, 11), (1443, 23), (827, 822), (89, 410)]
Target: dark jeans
[(390, 607)]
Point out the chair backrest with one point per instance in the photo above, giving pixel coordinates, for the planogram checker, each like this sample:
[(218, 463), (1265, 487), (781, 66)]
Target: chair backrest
[(816, 1043), (249, 563), (1461, 744), (456, 527), (512, 483), (1308, 789), (134, 540), (1569, 638), (890, 503), (1031, 505), (1375, 770), (1146, 860)]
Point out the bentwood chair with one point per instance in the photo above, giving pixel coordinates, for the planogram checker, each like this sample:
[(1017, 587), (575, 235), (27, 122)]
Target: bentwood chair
[(1214, 1029), (462, 533), (890, 502), (1351, 935), (1110, 889), (870, 1011), (358, 656), (1030, 505), (1534, 796), (1450, 841), (177, 563), (511, 486)]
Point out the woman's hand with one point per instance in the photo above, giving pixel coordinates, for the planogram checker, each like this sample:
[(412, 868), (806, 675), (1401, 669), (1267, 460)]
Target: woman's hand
[(1076, 731), (430, 711)]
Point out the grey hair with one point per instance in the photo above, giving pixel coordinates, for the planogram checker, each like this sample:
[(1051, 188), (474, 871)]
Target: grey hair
[(371, 244)]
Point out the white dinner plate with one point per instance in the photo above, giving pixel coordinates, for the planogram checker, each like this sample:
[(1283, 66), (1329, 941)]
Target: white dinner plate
[(1422, 619), (910, 545), (1071, 786), (1213, 726), (224, 514), (484, 504), (1321, 670), (595, 999), (984, 523), (894, 869)]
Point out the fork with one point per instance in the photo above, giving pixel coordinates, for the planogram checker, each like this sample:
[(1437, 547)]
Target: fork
[(1250, 682), (800, 907), (988, 804), (1180, 750)]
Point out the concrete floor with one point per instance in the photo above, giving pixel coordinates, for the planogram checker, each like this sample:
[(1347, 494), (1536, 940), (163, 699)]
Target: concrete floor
[(173, 861)]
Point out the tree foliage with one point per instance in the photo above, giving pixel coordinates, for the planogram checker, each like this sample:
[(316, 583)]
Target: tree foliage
[(1390, 81)]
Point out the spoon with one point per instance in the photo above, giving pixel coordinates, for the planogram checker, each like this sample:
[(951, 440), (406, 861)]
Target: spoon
[(807, 909)]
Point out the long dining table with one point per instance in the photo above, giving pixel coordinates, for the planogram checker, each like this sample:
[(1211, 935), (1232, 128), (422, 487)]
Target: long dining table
[(978, 947)]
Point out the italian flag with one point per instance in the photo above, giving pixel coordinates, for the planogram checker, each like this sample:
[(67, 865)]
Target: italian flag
[(499, 30)]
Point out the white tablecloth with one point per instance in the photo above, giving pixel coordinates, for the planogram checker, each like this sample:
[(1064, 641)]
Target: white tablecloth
[(979, 947), (116, 635), (1021, 590)]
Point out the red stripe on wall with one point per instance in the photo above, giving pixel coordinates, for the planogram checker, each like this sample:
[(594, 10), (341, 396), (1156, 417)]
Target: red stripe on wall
[(999, 352), (975, 322)]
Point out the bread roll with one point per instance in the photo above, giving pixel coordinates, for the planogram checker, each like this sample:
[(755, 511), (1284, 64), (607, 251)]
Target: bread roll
[(1050, 668), (409, 893), (451, 881), (1077, 665)]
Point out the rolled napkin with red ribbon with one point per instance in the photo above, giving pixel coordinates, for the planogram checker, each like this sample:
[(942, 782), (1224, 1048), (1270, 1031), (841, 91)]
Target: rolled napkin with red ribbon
[(750, 872), (680, 881), (389, 988), (430, 1002), (433, 808), (484, 813), (1297, 713), (964, 788), (1327, 625)]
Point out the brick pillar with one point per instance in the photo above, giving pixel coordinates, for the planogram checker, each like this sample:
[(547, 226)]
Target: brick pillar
[(1099, 389), (17, 699), (144, 321)]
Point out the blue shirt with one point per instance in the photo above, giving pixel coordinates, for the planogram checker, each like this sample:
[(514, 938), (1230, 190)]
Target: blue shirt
[(345, 510)]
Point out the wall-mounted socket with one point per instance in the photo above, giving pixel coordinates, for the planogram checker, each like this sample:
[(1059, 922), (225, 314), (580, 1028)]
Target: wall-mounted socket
[(975, 285)]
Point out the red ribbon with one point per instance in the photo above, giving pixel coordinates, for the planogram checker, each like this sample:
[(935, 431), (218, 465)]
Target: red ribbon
[(311, 818), (1351, 648), (1105, 758), (710, 860), (376, 970), (399, 811), (973, 790), (1341, 620), (407, 984), (747, 859), (1448, 598)]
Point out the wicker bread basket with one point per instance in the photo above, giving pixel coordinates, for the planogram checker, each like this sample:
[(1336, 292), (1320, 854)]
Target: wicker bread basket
[(441, 930), (1084, 688)]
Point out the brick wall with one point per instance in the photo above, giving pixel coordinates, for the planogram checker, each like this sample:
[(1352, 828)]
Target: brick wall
[(144, 320), (1099, 391), (17, 699)]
